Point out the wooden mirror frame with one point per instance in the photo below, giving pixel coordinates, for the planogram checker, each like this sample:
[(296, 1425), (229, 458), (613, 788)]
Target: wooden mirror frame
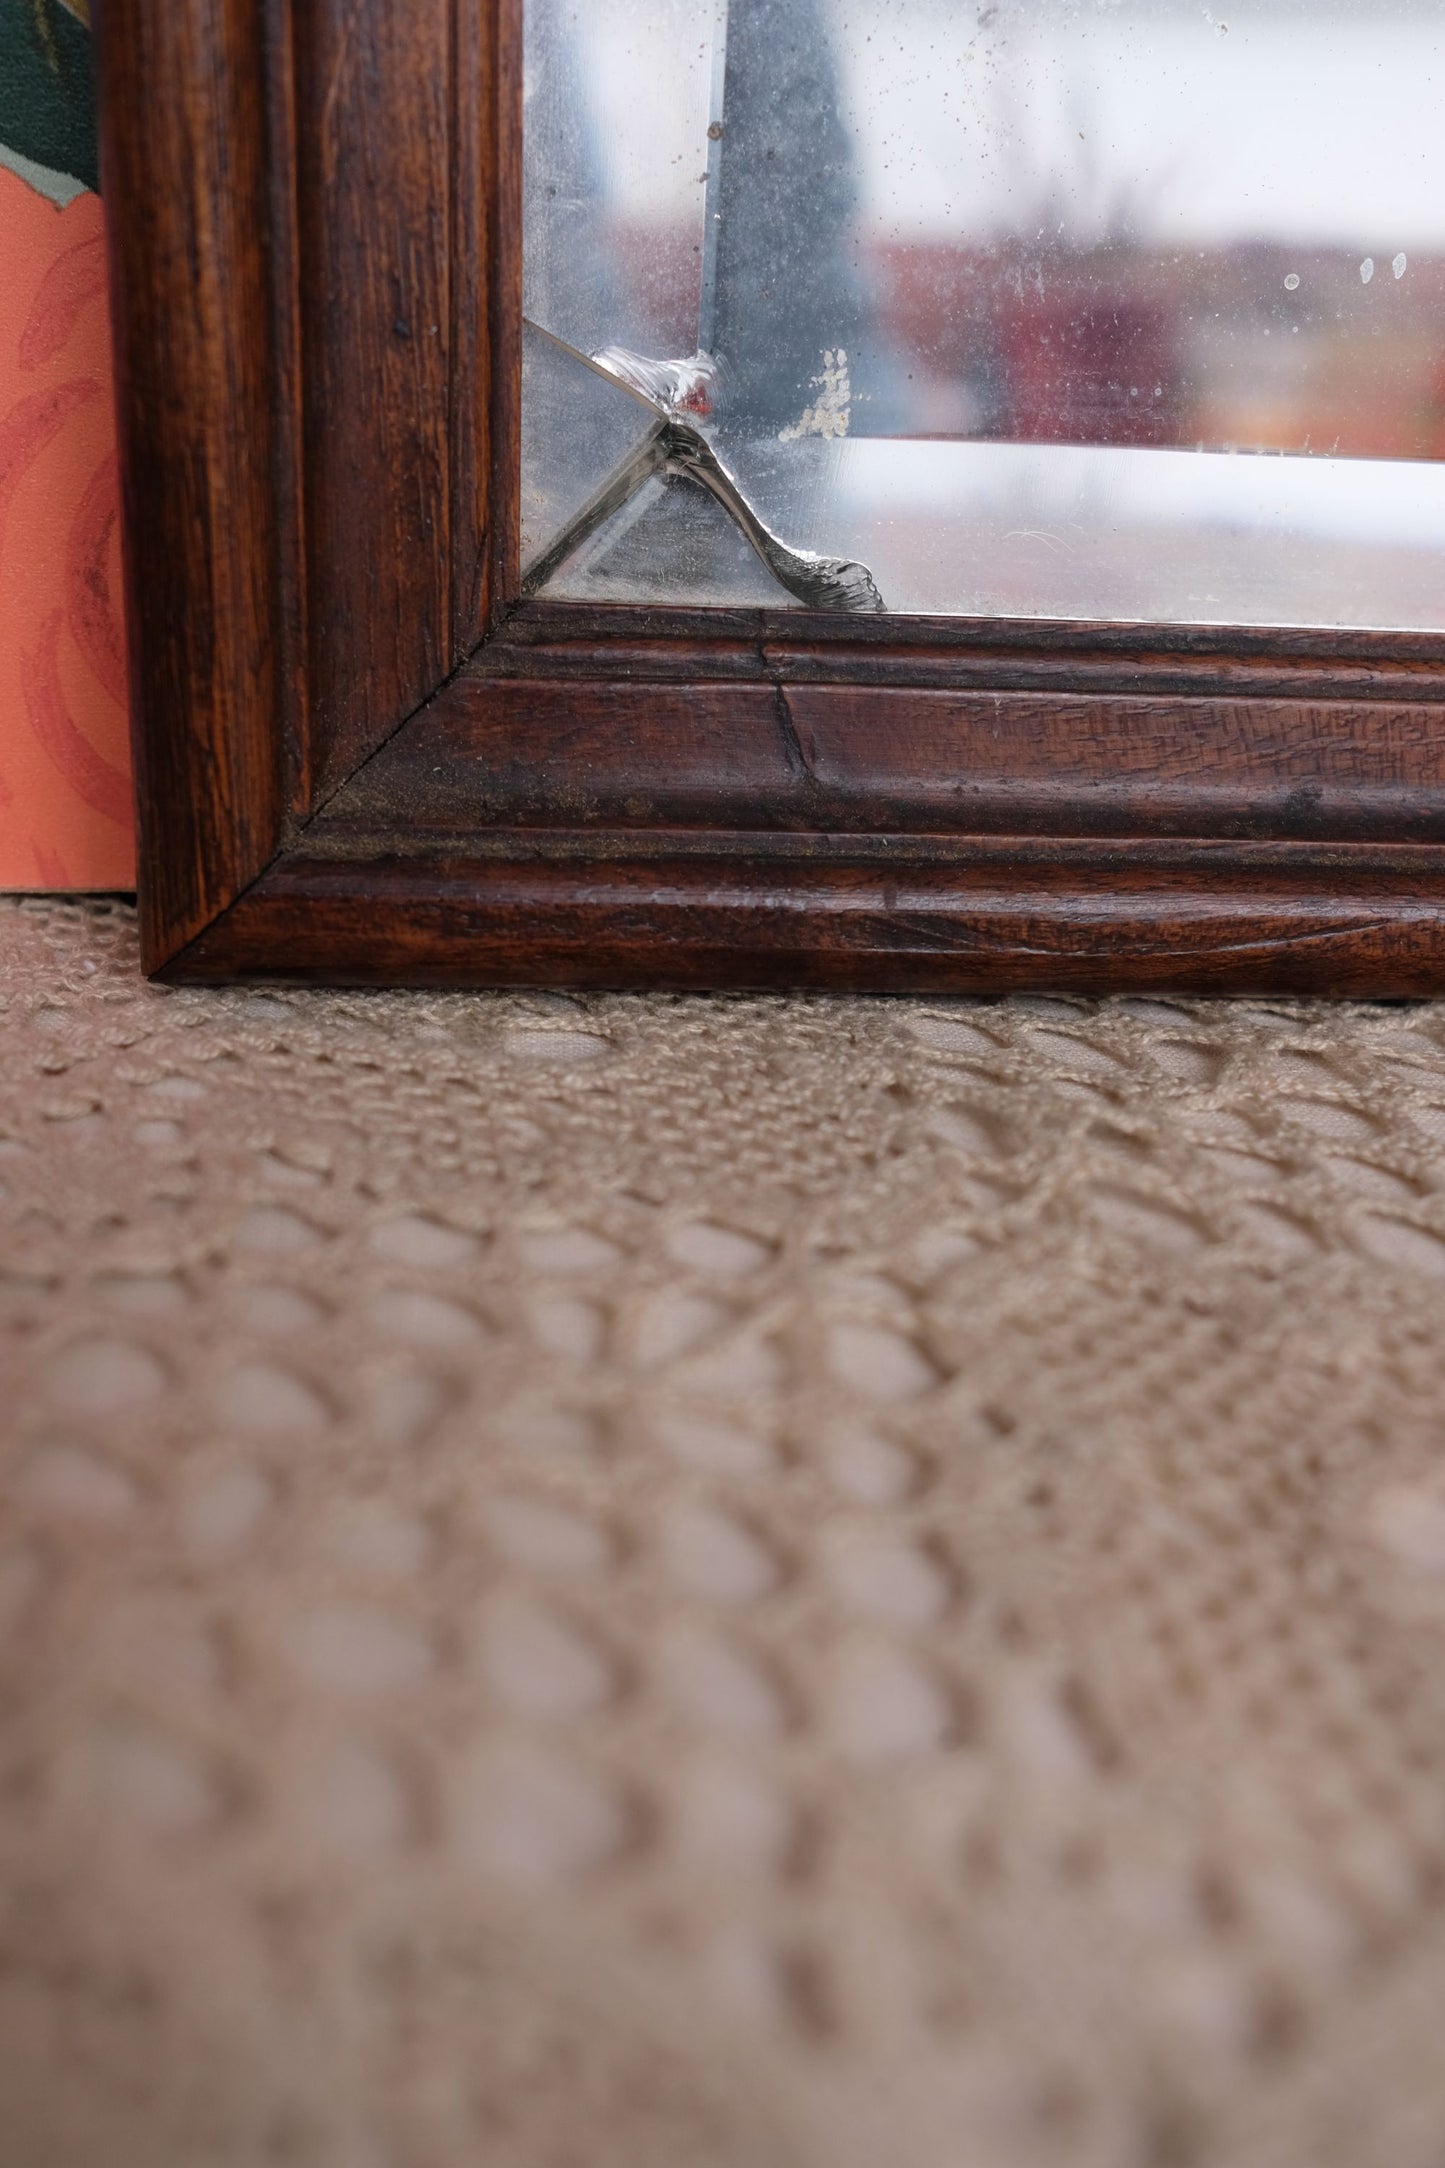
[(360, 757)]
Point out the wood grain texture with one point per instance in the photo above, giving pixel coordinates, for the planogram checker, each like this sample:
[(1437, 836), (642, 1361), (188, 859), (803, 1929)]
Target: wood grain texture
[(981, 916), (573, 640), (469, 80), (486, 316), (288, 412), (183, 126), (374, 170), (499, 238), (315, 229), (728, 755)]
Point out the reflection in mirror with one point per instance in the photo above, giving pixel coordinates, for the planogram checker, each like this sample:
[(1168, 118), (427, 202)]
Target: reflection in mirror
[(1098, 309)]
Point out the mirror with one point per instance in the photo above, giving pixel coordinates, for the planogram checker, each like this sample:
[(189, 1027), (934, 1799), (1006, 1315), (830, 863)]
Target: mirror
[(1112, 310)]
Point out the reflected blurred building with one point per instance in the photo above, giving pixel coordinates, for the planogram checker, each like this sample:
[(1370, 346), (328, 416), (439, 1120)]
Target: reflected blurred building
[(1253, 349), (1033, 223)]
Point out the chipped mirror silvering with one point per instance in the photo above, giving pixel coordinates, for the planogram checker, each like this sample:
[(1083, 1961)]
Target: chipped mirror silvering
[(1124, 310)]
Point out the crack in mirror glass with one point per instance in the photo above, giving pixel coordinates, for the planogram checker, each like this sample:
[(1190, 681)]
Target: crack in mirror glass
[(676, 449)]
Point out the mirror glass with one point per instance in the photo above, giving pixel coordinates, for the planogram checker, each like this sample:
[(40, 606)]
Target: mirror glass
[(1119, 310)]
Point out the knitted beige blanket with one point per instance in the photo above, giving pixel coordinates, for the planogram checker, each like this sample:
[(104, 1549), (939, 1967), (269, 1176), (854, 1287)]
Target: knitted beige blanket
[(660, 1583)]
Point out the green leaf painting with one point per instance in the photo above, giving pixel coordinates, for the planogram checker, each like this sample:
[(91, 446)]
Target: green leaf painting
[(47, 95)]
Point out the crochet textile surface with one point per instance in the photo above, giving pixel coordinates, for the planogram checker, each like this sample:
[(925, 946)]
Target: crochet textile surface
[(768, 1582)]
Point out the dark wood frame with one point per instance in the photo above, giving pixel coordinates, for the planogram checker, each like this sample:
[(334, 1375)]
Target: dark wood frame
[(359, 757)]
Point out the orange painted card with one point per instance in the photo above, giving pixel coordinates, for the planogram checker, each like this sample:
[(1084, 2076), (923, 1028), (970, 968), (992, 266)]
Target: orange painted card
[(65, 802)]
